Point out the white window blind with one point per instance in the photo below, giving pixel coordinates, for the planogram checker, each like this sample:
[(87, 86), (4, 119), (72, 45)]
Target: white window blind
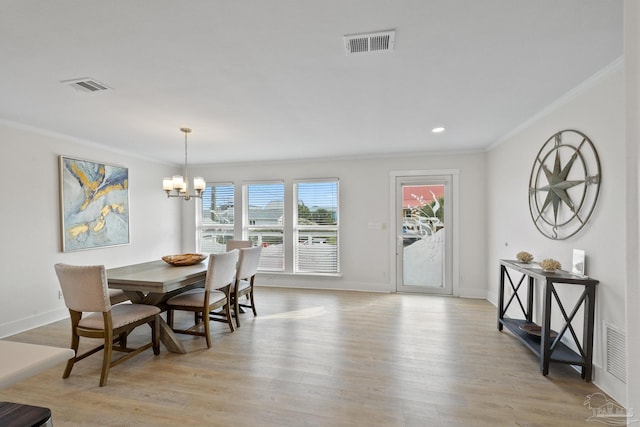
[(263, 222), (316, 237), (216, 218)]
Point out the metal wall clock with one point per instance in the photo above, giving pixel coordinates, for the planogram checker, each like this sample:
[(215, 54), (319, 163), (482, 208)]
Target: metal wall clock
[(564, 184)]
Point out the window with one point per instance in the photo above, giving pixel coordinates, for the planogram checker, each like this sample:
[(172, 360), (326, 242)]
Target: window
[(263, 222), (316, 248), (296, 224), (216, 218)]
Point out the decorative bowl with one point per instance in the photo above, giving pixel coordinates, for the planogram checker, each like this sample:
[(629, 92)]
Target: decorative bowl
[(536, 330), (524, 257), (184, 259)]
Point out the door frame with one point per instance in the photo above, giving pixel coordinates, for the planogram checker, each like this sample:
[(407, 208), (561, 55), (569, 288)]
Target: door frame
[(393, 243)]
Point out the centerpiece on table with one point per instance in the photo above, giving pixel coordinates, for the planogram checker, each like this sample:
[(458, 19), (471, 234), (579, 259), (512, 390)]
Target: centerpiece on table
[(184, 259)]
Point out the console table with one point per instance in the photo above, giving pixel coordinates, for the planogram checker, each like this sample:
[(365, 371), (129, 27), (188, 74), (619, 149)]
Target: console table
[(547, 348)]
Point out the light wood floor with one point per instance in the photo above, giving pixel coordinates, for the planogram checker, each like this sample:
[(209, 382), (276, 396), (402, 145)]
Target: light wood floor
[(321, 358)]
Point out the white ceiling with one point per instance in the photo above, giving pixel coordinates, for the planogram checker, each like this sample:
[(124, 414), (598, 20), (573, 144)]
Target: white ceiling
[(269, 79)]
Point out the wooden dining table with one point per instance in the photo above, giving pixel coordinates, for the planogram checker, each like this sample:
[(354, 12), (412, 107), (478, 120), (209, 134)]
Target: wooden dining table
[(154, 282)]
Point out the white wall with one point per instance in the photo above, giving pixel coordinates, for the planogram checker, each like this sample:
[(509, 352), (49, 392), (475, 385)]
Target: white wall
[(597, 109), (30, 223), (364, 197)]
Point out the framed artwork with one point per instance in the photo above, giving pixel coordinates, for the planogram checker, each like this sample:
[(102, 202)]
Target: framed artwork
[(94, 200)]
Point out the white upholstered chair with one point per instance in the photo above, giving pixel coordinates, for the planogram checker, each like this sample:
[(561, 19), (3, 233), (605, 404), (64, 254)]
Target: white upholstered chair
[(238, 244), (86, 295), (248, 262), (215, 295)]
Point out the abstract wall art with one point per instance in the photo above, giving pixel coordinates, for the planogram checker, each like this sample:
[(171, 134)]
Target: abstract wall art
[(94, 199)]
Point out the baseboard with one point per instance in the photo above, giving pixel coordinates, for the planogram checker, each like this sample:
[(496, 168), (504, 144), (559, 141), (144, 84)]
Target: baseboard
[(27, 323), (326, 285), (472, 293)]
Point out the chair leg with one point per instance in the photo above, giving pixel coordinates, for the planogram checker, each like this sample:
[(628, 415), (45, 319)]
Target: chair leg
[(170, 318), (75, 342), (227, 310), (155, 334), (122, 339), (106, 361), (236, 310), (207, 332), (253, 303)]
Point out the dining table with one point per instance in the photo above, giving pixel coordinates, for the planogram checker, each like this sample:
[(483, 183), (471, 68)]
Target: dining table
[(153, 283)]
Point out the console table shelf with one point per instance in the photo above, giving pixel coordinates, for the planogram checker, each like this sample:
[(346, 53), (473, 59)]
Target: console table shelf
[(549, 349)]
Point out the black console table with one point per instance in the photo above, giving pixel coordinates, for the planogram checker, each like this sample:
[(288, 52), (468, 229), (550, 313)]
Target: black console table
[(547, 348)]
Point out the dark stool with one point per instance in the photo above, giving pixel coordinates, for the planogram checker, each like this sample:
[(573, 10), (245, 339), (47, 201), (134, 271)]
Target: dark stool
[(19, 415)]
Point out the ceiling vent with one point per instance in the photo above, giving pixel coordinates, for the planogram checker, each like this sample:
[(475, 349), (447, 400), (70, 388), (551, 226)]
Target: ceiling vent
[(381, 41), (86, 84)]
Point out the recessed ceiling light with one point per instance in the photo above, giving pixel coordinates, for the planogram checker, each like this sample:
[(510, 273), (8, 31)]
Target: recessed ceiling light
[(439, 129)]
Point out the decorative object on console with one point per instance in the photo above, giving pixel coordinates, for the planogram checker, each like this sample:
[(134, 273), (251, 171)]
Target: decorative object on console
[(564, 184), (94, 200), (184, 259), (550, 265), (536, 330), (578, 264), (524, 257), (178, 186)]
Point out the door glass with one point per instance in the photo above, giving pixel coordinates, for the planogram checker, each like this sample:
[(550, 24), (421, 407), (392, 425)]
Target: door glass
[(423, 235)]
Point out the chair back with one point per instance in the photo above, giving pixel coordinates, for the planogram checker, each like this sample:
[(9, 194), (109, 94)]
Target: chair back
[(84, 288), (221, 270), (238, 244), (248, 262)]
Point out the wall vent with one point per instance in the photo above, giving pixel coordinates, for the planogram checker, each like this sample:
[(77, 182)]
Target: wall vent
[(86, 84), (616, 352), (382, 41)]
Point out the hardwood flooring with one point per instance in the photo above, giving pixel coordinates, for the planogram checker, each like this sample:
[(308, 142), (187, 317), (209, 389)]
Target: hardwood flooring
[(321, 358)]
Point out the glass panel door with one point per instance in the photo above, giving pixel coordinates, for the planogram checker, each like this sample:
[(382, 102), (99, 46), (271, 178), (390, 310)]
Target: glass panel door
[(423, 234)]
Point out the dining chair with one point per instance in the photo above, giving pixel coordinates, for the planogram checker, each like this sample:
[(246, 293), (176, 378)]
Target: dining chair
[(86, 295), (116, 296), (238, 244), (248, 262), (215, 295)]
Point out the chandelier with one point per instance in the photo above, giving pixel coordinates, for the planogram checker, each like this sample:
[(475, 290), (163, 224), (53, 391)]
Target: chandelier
[(178, 186)]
